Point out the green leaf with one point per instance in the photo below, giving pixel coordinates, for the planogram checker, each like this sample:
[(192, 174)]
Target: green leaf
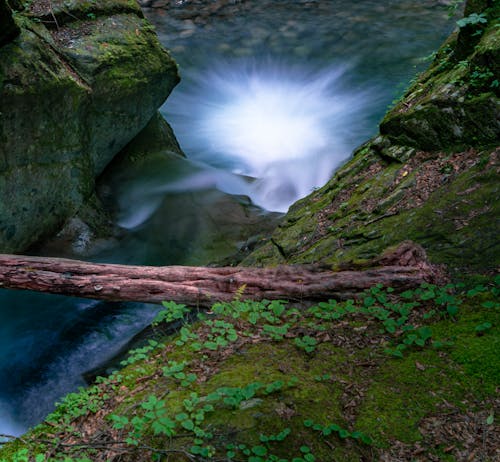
[(396, 353), (163, 425), (369, 301), (196, 450), (366, 439), (259, 450), (327, 431), (408, 294), (452, 310), (119, 422), (253, 318), (188, 424), (472, 19), (344, 433), (483, 327), (428, 295), (424, 333), (490, 419), (211, 345)]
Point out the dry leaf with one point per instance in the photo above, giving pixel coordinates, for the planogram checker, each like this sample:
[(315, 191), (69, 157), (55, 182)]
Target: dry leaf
[(419, 366)]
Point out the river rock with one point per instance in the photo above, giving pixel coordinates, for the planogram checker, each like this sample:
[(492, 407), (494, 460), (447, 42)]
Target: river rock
[(76, 85)]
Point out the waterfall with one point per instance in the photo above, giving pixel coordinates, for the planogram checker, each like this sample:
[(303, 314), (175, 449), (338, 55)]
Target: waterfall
[(286, 127)]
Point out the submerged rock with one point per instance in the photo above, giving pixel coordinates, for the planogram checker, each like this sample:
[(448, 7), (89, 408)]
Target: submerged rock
[(78, 83)]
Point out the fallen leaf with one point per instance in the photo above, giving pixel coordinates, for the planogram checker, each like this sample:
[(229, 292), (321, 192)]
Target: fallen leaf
[(419, 366)]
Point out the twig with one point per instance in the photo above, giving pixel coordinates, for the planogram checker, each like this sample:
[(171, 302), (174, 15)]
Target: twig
[(53, 15)]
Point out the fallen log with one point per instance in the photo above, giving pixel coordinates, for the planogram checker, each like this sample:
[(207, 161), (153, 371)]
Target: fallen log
[(203, 286)]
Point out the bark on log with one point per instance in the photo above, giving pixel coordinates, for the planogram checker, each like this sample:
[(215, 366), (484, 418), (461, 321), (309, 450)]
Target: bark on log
[(199, 286)]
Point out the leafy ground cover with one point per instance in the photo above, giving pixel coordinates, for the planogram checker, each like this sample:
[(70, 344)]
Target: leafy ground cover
[(385, 376)]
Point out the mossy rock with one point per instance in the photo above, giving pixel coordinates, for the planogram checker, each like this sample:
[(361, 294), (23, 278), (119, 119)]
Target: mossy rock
[(455, 103), (60, 12), (72, 96)]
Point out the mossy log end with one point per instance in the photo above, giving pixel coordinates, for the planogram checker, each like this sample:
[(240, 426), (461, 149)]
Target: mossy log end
[(203, 286)]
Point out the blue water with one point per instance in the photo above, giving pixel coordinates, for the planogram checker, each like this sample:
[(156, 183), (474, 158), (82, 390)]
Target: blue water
[(275, 95)]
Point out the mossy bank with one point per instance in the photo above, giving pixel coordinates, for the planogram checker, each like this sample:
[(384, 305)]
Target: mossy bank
[(386, 377)]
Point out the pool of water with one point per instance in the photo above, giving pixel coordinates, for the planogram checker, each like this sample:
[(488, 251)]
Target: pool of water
[(274, 96)]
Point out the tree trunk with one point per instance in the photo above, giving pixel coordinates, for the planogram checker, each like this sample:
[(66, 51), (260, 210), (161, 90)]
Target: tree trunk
[(202, 286)]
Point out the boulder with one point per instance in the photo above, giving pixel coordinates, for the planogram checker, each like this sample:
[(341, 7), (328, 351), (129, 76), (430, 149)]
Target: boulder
[(454, 104), (78, 83)]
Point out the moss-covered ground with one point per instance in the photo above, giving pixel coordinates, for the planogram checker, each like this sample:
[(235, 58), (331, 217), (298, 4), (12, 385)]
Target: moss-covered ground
[(412, 376)]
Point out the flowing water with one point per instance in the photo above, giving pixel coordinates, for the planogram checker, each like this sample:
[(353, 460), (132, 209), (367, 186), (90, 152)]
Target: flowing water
[(275, 95)]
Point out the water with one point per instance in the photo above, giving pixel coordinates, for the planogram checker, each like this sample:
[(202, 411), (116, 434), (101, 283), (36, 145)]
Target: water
[(284, 125), (275, 95), (283, 91)]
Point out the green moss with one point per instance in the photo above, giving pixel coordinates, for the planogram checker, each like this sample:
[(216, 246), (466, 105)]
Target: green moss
[(406, 390), (456, 224), (75, 105), (353, 384), (476, 353), (69, 11), (435, 112)]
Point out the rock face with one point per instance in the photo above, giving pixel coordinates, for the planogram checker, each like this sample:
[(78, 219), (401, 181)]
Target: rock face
[(455, 103), (432, 176), (77, 84)]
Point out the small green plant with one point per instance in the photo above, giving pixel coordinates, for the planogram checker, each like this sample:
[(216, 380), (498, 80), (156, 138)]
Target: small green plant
[(306, 343), (139, 354), (453, 6), (176, 371), (278, 437), (172, 312), (74, 405), (472, 20), (327, 430), (276, 332)]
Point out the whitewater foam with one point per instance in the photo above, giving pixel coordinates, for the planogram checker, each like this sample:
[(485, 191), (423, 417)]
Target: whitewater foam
[(286, 126)]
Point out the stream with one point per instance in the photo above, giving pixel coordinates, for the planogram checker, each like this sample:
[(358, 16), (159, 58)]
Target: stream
[(274, 96)]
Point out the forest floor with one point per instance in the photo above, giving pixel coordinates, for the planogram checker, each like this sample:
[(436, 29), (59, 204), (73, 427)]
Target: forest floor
[(387, 377)]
